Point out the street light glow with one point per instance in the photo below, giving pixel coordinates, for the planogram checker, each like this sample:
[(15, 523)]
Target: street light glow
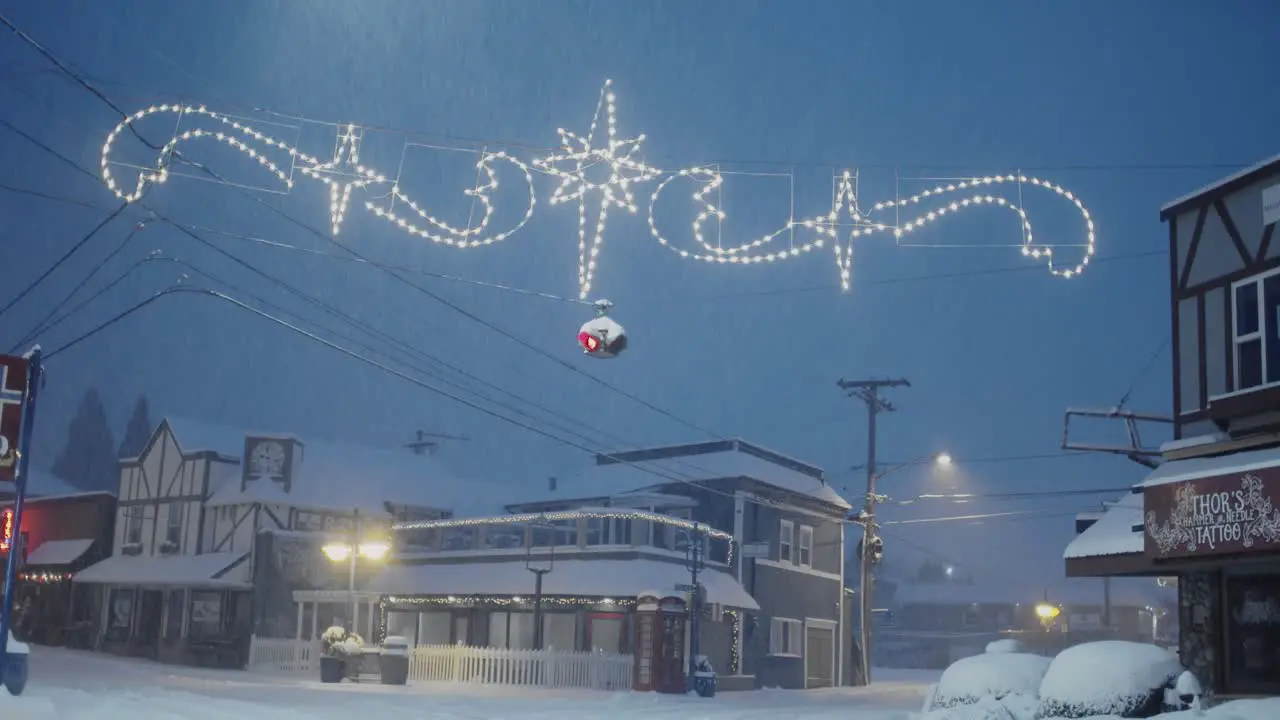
[(373, 550), (336, 552), (942, 459)]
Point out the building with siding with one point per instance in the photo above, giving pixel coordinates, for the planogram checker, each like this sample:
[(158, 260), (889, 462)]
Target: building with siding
[(776, 619)]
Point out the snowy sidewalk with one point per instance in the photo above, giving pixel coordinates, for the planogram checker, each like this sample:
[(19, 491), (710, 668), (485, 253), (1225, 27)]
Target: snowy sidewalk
[(73, 685)]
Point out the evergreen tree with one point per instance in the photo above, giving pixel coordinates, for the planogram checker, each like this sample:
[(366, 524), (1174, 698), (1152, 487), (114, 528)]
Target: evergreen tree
[(138, 431), (88, 459)]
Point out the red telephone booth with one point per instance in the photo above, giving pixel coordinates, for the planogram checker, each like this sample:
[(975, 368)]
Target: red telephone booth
[(659, 644)]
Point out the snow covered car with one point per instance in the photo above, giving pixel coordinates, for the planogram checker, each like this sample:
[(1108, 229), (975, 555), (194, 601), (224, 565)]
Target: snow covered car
[(1109, 678), (994, 675)]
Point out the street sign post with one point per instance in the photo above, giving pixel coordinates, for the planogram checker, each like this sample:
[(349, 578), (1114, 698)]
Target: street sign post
[(20, 379)]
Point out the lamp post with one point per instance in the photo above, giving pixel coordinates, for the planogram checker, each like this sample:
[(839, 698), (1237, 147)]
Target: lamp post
[(872, 550), (539, 567), (357, 547)]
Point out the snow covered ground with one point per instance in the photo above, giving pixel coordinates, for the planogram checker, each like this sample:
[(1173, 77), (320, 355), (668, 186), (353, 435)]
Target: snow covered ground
[(72, 685)]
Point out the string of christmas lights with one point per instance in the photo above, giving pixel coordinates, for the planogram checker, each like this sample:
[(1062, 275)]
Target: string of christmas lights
[(505, 601), (735, 645), (44, 577), (600, 175)]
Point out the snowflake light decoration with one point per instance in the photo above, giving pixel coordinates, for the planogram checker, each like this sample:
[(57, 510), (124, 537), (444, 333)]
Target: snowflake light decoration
[(579, 155)]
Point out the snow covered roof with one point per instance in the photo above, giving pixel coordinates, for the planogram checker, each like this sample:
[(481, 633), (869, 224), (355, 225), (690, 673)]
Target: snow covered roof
[(58, 552), (335, 476), (1130, 592), (1195, 468), (626, 472), (1113, 533), (206, 570), (603, 578), (42, 483), (1258, 169)]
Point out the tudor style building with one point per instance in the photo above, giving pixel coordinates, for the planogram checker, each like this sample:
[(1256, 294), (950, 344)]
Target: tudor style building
[(1209, 515)]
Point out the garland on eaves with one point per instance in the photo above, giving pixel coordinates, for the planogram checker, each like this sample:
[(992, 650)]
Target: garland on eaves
[(343, 175)]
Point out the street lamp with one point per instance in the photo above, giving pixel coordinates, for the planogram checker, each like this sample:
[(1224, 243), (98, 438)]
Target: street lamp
[(357, 546), (1047, 614)]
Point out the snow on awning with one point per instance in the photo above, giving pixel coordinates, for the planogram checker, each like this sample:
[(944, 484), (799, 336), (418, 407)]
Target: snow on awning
[(219, 570), (1113, 533), (1202, 467), (580, 578), (58, 552)]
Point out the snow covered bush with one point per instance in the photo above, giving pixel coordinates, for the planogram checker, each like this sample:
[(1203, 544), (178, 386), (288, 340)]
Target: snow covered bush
[(994, 675), (1111, 677), (337, 641)]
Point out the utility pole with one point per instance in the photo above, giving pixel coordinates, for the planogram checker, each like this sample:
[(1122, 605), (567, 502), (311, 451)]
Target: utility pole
[(868, 391)]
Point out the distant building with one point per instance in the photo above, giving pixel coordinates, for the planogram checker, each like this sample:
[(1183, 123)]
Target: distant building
[(217, 527), (1209, 515), (777, 619)]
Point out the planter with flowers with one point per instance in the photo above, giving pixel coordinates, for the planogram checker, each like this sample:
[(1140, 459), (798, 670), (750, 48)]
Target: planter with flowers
[(342, 653)]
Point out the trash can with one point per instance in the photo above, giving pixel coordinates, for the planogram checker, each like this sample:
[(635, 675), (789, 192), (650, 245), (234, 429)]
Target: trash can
[(13, 669), (393, 662), (704, 678)]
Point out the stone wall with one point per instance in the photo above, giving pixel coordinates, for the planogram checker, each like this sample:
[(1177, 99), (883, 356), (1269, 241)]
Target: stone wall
[(1200, 618)]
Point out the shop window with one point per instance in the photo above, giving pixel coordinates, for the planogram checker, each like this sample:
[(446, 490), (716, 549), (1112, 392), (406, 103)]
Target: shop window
[(560, 631), (206, 614), (1253, 634), (604, 633), (1256, 317), (120, 617), (433, 627)]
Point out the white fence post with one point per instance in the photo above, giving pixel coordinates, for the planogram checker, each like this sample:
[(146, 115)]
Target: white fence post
[(463, 664)]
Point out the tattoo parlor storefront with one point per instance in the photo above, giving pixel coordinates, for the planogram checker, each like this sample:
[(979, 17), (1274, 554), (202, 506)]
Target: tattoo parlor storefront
[(1215, 524)]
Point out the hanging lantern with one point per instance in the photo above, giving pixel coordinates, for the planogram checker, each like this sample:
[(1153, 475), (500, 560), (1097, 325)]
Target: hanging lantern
[(600, 336)]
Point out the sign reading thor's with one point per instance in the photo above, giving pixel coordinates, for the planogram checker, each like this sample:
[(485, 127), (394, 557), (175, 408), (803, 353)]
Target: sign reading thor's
[(13, 393), (1213, 516)]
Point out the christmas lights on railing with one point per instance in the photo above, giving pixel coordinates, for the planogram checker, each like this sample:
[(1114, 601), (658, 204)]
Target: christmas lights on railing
[(735, 644), (600, 174), (45, 577), (508, 601)]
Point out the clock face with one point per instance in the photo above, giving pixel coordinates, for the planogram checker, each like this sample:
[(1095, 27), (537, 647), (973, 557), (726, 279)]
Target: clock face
[(267, 458)]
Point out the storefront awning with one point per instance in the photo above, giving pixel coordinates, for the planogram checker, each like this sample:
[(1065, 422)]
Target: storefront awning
[(1117, 532), (214, 570), (58, 552), (578, 578), (1202, 467)]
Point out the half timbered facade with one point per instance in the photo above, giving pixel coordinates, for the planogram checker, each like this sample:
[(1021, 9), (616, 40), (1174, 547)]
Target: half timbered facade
[(1209, 515), (217, 527)]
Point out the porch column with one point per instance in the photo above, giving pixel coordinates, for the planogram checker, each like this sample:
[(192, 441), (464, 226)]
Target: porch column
[(355, 619), (315, 618), (299, 633)]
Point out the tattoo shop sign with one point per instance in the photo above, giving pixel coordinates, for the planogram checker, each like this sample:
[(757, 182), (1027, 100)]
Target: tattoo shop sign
[(1213, 516)]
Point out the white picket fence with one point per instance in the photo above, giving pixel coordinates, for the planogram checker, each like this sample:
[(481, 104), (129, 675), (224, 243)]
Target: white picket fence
[(465, 664)]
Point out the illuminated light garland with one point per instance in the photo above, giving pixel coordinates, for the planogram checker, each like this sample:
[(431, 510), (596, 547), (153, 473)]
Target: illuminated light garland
[(462, 237), (615, 158), (345, 162), (862, 224), (346, 156), (735, 647), (574, 185), (44, 577), (505, 601)]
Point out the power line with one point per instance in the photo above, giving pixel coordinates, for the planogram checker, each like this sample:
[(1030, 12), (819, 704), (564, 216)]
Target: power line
[(1027, 495), (67, 255), (79, 78), (1146, 368), (981, 516)]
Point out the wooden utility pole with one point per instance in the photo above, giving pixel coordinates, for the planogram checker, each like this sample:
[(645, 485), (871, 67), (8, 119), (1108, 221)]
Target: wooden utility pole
[(868, 391)]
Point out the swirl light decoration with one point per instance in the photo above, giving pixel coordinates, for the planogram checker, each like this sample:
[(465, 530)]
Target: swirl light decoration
[(606, 171)]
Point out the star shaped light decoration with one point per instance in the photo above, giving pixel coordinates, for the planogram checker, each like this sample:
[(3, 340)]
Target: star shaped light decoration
[(578, 156), (844, 199), (343, 173)]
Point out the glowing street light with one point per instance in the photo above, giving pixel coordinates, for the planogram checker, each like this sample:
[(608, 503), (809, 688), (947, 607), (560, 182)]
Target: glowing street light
[(339, 551), (942, 459), (350, 550)]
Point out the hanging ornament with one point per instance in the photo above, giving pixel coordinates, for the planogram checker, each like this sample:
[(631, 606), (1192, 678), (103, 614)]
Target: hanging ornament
[(600, 336)]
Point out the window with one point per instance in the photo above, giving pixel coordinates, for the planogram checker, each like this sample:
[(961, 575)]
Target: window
[(206, 614), (805, 554), (1256, 312), (121, 614), (595, 531), (785, 637), (786, 538), (173, 531), (133, 525)]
